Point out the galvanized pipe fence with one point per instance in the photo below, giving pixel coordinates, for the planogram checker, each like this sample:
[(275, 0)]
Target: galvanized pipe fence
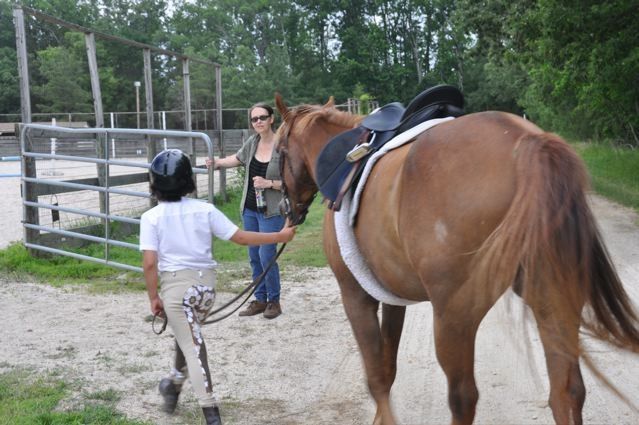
[(105, 183)]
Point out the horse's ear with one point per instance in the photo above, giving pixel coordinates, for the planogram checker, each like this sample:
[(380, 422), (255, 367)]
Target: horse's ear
[(330, 103), (281, 106)]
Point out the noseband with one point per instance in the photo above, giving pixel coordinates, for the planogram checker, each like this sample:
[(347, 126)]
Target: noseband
[(285, 205)]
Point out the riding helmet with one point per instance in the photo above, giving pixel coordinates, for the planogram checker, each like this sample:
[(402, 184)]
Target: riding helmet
[(170, 170)]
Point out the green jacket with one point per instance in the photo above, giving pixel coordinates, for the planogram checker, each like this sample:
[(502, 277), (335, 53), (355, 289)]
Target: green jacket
[(272, 196)]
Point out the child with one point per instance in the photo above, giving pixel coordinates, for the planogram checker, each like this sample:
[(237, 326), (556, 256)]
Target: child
[(175, 238)]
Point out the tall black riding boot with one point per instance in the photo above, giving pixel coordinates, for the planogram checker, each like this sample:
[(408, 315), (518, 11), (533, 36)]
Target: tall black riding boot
[(170, 393), (212, 415)]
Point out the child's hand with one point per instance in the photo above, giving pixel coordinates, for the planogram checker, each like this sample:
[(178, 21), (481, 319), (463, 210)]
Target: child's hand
[(288, 233), (157, 307)]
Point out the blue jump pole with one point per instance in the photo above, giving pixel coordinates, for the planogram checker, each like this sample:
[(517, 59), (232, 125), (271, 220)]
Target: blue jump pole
[(7, 159)]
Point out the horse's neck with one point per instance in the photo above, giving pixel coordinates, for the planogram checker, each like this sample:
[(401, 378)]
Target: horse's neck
[(328, 132)]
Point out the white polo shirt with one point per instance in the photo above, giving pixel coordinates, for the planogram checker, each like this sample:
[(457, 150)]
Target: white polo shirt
[(182, 233)]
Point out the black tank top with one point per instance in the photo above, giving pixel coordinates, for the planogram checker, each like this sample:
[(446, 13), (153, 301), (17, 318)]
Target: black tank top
[(256, 168)]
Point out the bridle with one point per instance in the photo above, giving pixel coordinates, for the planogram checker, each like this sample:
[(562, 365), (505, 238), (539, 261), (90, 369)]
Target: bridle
[(307, 183)]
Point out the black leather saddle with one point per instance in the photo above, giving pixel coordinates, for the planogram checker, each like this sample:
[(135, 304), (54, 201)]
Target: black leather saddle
[(343, 158)]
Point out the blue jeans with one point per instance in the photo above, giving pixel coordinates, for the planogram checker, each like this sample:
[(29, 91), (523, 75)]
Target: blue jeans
[(260, 256)]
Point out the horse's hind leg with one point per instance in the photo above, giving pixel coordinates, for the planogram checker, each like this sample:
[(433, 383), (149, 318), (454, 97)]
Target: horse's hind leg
[(560, 339), (456, 320), (455, 348)]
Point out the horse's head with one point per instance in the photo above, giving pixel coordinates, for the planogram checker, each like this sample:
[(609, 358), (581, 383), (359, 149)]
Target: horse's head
[(305, 130), (298, 186)]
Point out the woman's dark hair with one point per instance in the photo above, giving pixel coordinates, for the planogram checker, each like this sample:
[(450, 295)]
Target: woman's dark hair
[(266, 106)]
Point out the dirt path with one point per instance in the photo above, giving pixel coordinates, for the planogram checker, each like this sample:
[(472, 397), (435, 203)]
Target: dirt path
[(303, 367)]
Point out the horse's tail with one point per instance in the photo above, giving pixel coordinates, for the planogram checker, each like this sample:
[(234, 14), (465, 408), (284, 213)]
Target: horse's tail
[(549, 247)]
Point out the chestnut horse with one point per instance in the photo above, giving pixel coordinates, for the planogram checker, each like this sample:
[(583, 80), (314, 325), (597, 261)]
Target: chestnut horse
[(472, 207)]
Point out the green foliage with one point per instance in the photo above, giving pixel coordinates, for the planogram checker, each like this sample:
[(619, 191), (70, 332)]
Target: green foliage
[(66, 86), (569, 66), (583, 65), (10, 93), (9, 84), (26, 399)]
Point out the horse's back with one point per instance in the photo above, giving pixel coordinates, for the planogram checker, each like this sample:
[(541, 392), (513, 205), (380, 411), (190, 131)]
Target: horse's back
[(448, 191)]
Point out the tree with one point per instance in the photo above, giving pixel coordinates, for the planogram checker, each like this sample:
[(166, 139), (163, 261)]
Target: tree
[(66, 82), (583, 65), (10, 92)]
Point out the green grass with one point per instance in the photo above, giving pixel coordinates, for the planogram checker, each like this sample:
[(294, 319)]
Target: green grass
[(28, 400), (306, 248), (614, 171), (17, 263)]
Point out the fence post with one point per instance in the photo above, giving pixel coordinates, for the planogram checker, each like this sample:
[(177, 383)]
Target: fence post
[(187, 111), (219, 124), (101, 149), (29, 214), (151, 147)]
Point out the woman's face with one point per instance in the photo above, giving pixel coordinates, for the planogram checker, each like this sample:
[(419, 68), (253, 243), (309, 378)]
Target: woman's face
[(261, 120)]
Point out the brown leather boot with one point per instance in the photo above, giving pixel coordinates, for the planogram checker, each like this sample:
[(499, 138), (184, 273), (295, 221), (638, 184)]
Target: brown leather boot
[(254, 307), (273, 310), (212, 415)]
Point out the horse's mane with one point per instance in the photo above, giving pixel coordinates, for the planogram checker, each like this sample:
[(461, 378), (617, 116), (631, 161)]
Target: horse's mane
[(306, 115)]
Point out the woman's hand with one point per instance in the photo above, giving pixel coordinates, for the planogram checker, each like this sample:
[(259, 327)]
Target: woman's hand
[(210, 162), (226, 162), (262, 183)]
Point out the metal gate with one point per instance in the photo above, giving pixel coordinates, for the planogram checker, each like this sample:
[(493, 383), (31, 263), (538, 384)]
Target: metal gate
[(78, 185)]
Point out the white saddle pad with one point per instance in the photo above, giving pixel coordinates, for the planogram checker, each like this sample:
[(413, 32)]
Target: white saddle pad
[(345, 217)]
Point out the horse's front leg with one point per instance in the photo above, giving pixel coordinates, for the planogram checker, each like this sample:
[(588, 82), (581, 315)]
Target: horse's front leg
[(377, 344), (392, 325)]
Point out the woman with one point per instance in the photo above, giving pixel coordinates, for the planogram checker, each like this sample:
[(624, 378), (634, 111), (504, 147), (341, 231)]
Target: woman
[(175, 238), (262, 175)]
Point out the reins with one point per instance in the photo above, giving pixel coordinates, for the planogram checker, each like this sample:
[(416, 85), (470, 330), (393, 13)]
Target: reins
[(250, 289)]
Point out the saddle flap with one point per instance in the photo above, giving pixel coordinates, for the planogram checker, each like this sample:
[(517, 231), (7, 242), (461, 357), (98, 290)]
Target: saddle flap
[(385, 118), (331, 166)]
